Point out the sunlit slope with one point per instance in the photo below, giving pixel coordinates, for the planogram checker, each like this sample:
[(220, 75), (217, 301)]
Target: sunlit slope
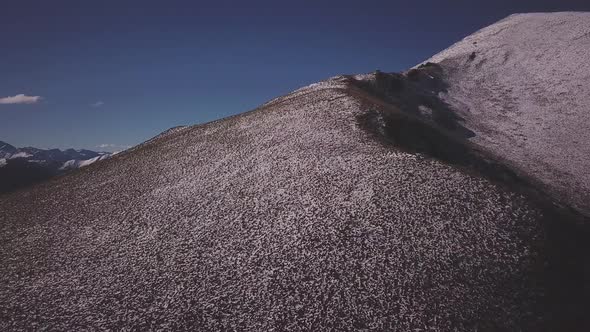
[(522, 86)]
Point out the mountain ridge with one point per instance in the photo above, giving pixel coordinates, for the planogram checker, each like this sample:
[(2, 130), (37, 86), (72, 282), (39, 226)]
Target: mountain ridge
[(357, 203)]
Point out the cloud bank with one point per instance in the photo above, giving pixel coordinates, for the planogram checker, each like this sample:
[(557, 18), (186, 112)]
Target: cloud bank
[(97, 104), (113, 146), (20, 99)]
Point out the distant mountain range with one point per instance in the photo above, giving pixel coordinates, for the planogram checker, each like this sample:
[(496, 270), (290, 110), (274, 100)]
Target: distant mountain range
[(20, 167)]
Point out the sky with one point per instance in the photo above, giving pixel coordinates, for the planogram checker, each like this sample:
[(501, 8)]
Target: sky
[(106, 75)]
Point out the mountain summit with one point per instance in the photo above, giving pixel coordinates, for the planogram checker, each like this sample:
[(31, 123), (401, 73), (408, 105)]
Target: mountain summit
[(363, 202), (522, 86)]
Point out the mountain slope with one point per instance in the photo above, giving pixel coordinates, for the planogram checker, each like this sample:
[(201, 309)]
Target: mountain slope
[(522, 87), (352, 204)]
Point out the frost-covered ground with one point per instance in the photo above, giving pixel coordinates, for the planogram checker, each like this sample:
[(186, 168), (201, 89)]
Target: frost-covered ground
[(526, 95), (300, 215), (291, 217)]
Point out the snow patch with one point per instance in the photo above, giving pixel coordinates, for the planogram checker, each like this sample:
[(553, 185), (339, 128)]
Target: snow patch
[(73, 164), (425, 111), (21, 155)]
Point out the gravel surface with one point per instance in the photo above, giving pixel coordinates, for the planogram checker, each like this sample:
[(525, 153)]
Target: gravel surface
[(291, 217)]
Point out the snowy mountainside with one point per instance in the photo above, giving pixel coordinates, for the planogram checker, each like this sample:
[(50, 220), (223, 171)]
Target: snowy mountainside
[(522, 86)]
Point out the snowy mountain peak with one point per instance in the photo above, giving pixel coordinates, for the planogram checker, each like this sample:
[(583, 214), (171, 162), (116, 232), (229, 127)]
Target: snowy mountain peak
[(6, 150), (522, 87)]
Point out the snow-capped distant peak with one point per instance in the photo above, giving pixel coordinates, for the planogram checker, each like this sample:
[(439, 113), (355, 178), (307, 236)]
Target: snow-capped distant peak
[(73, 164), (21, 155)]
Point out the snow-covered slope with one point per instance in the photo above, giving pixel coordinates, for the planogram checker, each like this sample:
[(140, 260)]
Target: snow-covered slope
[(523, 87)]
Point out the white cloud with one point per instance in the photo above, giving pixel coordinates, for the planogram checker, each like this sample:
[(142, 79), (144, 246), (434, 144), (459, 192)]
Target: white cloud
[(97, 104), (113, 146), (20, 99)]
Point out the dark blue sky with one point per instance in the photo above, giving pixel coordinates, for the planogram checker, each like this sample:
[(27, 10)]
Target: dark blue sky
[(119, 72)]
